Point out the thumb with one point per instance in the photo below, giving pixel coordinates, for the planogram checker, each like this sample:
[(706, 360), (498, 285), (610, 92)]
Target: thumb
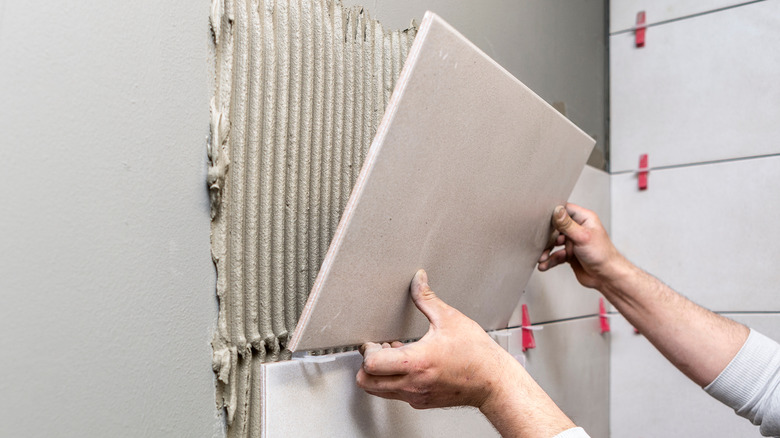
[(567, 226), (425, 299)]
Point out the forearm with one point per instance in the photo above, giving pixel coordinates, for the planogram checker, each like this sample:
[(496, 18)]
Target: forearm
[(697, 341), (519, 407)]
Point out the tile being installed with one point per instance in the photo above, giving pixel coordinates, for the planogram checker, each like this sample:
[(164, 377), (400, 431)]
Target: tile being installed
[(707, 231), (622, 13), (571, 363), (701, 89), (322, 399), (556, 294), (461, 180), (649, 394)]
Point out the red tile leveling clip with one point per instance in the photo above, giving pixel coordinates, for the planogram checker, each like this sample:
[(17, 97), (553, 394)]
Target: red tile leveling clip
[(643, 171), (639, 31), (528, 334), (603, 317)]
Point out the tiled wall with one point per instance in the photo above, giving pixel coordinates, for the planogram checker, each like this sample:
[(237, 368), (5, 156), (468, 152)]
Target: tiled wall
[(701, 99)]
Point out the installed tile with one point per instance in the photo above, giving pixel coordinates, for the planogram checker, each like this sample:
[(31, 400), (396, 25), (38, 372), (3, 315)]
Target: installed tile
[(701, 89), (571, 363), (557, 294), (708, 231), (622, 13), (461, 180), (650, 397), (322, 399)]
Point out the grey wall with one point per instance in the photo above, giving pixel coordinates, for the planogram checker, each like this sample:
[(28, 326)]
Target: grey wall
[(106, 278), (557, 48)]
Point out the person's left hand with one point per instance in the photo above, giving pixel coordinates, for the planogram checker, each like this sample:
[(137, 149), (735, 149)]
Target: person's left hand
[(456, 363)]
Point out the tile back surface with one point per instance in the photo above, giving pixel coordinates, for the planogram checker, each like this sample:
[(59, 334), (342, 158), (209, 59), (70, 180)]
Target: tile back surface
[(461, 180)]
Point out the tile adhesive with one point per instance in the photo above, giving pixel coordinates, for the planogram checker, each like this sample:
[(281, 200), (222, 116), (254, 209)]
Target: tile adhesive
[(301, 86)]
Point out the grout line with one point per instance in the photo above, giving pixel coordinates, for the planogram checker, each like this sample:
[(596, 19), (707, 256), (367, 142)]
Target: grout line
[(573, 318), (698, 163), (685, 17)]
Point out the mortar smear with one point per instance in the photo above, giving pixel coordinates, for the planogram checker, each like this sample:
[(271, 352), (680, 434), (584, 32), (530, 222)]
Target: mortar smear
[(301, 86)]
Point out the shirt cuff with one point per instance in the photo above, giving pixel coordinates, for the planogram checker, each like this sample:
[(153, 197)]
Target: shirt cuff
[(747, 373), (574, 432)]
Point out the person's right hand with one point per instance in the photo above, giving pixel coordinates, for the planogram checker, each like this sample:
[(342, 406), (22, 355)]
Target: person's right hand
[(586, 247)]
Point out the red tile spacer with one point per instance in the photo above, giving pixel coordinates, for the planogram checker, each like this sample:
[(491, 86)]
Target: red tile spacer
[(528, 334), (641, 27), (643, 171), (603, 317)]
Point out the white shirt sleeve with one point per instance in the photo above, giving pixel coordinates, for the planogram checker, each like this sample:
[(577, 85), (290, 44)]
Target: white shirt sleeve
[(574, 432), (750, 383)]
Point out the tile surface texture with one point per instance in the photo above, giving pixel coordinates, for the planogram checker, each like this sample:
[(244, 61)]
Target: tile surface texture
[(622, 13), (708, 231), (651, 398), (701, 89), (457, 182), (322, 400), (556, 294), (571, 363)]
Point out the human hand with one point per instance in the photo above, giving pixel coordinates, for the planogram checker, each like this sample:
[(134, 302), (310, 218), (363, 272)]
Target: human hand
[(456, 363), (586, 247)]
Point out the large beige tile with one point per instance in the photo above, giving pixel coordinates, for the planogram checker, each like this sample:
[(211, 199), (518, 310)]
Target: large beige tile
[(571, 363), (461, 180), (321, 399), (556, 294), (701, 89), (651, 398), (708, 231)]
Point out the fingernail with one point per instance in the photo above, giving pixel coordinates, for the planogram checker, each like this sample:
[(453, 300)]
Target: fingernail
[(560, 211), (421, 276)]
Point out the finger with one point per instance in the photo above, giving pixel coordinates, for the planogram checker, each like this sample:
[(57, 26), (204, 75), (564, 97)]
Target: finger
[(374, 383), (369, 346), (545, 255), (396, 344), (588, 219), (425, 300), (568, 226), (385, 345), (557, 258), (386, 361)]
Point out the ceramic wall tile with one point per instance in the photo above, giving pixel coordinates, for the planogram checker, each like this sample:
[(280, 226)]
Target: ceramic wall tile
[(321, 399), (651, 398), (571, 363), (457, 182), (706, 230), (701, 89), (556, 294), (622, 13)]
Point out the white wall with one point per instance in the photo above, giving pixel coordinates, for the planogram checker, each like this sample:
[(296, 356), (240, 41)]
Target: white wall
[(701, 99), (105, 270)]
